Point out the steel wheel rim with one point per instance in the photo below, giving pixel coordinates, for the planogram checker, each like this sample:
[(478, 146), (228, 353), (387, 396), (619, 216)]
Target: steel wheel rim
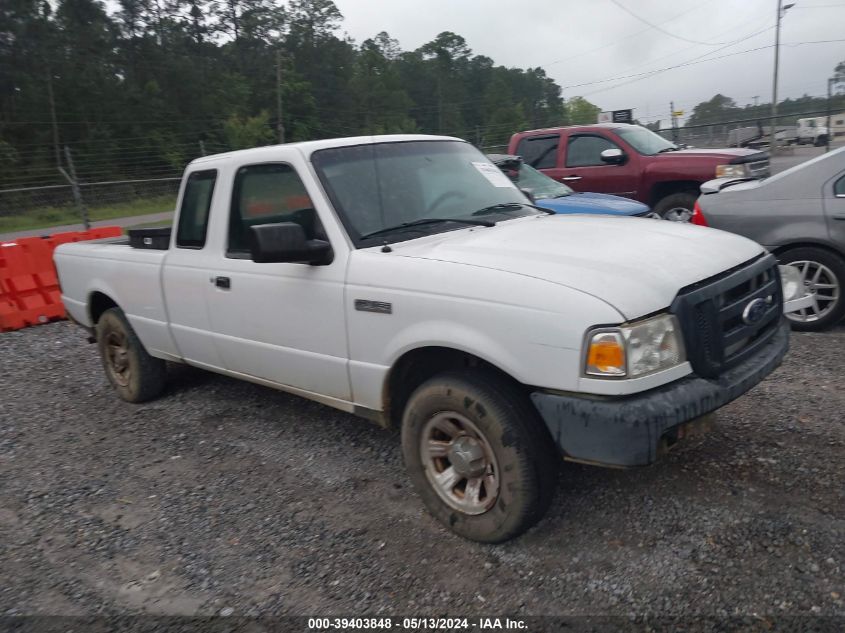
[(459, 463), (822, 283), (678, 214), (117, 358)]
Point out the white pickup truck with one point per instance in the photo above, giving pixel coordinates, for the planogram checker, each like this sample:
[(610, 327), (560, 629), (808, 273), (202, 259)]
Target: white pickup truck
[(406, 280)]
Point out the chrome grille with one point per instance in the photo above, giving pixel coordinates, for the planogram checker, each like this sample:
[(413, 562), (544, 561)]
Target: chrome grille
[(715, 315), (759, 169)]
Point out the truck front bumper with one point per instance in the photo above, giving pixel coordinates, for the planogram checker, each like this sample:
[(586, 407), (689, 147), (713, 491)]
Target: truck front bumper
[(629, 431)]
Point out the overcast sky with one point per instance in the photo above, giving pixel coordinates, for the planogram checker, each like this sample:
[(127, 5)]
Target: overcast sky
[(585, 41)]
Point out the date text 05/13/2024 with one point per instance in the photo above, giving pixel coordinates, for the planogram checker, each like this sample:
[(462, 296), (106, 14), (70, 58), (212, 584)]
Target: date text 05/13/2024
[(416, 624)]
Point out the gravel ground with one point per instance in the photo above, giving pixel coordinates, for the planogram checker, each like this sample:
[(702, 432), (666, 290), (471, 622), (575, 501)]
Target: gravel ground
[(225, 497)]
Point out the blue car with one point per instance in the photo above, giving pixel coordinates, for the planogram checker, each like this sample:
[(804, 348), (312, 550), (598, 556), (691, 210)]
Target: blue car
[(555, 196)]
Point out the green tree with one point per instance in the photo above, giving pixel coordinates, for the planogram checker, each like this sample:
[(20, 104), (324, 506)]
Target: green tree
[(581, 111), (250, 131), (719, 109), (140, 87)]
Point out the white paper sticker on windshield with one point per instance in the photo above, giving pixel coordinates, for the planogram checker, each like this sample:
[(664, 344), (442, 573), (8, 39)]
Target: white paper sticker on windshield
[(493, 174)]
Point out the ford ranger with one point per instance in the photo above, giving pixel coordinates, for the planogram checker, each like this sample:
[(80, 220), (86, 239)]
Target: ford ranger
[(405, 279), (634, 162)]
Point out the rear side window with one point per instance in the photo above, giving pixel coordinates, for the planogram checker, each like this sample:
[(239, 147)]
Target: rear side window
[(196, 202), (585, 151), (267, 194), (539, 151), (839, 187)]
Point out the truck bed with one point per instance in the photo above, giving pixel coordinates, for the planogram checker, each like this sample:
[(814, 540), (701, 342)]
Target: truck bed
[(131, 277)]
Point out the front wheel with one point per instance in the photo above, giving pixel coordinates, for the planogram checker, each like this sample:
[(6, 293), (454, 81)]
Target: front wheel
[(677, 207), (823, 274), (478, 455), (134, 374)]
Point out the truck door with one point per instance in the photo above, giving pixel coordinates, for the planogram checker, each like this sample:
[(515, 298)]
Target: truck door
[(186, 269), (542, 153), (584, 170), (280, 322)]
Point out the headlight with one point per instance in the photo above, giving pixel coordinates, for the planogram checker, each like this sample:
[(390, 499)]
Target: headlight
[(731, 171), (635, 350), (791, 282)]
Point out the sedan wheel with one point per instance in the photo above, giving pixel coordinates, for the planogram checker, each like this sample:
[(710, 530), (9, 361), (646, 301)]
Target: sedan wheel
[(822, 283)]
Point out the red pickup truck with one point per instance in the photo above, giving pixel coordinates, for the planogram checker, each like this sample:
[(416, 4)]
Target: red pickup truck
[(631, 161)]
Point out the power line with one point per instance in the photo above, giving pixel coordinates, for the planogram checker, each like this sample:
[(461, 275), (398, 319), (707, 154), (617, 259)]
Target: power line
[(665, 32), (690, 62), (616, 42), (693, 62)]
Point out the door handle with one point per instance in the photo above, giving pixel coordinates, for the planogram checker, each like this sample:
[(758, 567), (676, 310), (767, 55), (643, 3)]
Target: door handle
[(223, 282), (571, 178), (839, 216)]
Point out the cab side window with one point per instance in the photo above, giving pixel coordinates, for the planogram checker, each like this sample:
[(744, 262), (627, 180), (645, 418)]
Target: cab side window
[(539, 151), (266, 194), (839, 187), (196, 203), (585, 151)]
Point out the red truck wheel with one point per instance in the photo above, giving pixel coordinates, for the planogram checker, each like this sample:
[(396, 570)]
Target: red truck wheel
[(676, 207)]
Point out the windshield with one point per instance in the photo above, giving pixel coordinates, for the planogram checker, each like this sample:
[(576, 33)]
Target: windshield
[(383, 185), (539, 184), (645, 141)]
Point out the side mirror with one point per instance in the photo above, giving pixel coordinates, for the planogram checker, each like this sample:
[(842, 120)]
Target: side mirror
[(613, 156), (286, 242), (529, 194)]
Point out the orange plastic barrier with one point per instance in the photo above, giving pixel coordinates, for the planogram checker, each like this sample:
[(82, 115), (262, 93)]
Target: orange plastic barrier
[(29, 285)]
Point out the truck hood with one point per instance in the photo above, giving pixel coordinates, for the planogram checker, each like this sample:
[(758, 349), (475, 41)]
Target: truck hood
[(730, 155), (583, 202), (637, 265)]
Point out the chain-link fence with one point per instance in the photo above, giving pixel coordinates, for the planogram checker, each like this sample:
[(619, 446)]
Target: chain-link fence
[(814, 127), (55, 205), (89, 183), (145, 183)]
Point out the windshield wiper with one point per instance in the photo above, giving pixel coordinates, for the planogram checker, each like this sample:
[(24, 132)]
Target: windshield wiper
[(423, 221), (674, 148), (502, 206)]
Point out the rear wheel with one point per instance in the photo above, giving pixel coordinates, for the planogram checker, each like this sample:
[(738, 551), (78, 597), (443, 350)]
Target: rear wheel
[(134, 374), (478, 455), (823, 274), (676, 207)]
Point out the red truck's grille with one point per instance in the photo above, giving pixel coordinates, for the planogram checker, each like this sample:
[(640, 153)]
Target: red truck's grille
[(759, 169), (725, 319)]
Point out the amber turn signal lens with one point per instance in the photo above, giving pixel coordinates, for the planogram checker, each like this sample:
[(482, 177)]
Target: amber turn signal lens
[(606, 356)]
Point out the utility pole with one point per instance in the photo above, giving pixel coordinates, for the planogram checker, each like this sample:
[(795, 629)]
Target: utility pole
[(772, 124), (674, 122), (53, 116), (280, 127)]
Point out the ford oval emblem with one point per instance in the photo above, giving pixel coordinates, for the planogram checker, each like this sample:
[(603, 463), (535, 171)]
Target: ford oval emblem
[(754, 311)]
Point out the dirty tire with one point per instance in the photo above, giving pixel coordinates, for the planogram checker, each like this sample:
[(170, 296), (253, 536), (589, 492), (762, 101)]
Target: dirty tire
[(836, 265), (523, 451), (142, 376), (669, 205)]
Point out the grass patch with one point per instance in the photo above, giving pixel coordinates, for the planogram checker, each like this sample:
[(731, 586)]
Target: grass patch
[(57, 216)]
